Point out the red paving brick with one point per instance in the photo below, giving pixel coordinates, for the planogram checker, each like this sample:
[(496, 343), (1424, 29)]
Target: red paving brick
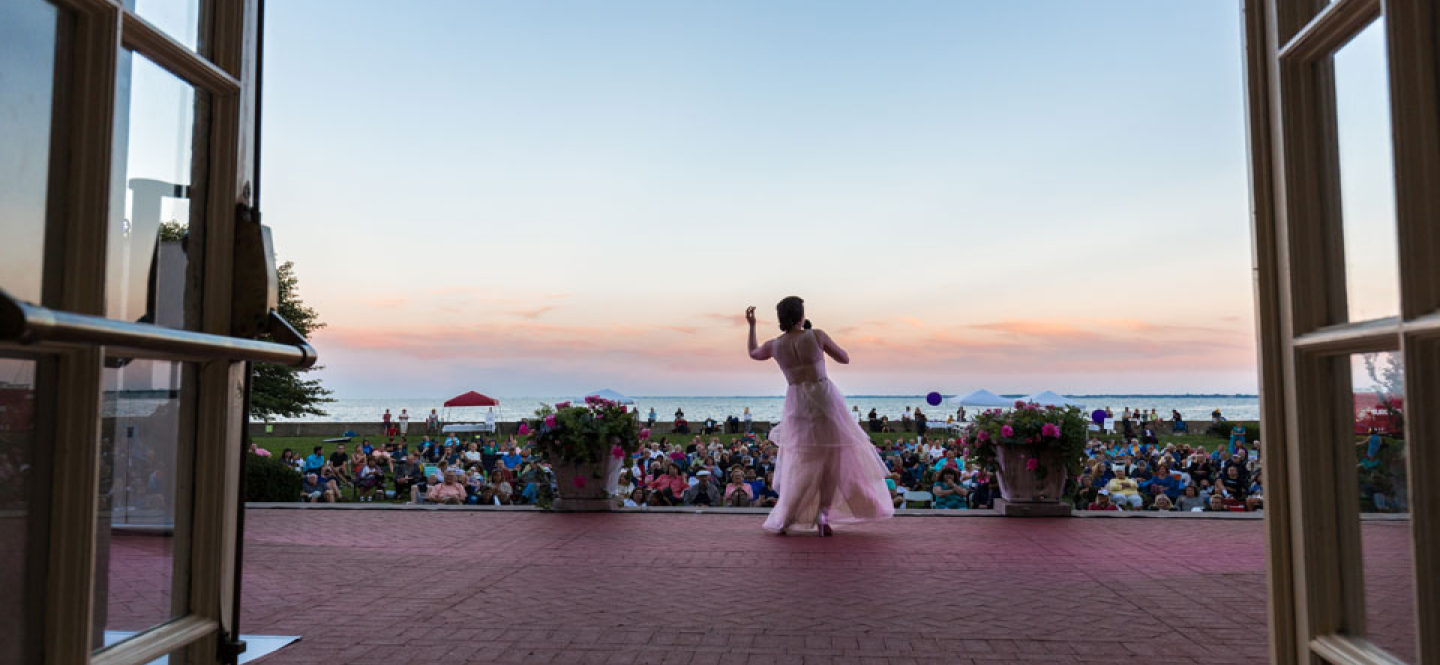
[(529, 587)]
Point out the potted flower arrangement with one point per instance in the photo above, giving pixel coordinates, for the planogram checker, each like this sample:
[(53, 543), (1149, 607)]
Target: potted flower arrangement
[(586, 446), (1033, 449)]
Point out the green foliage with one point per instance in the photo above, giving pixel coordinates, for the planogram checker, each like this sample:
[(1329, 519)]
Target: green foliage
[(585, 434), (276, 390), (270, 480), (1030, 424), (173, 230)]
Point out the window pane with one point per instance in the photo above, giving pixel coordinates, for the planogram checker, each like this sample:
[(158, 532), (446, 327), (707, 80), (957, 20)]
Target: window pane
[(1367, 184), (19, 598), (27, 85), (178, 18), (1385, 534), (145, 434), (147, 259)]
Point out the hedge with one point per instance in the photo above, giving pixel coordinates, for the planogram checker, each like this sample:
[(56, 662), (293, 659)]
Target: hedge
[(268, 479)]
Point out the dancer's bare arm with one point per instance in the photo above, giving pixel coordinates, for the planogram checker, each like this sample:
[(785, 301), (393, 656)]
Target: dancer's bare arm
[(832, 349), (757, 351)]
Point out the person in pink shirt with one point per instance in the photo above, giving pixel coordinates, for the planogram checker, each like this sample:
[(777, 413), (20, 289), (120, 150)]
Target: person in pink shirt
[(447, 492), (665, 490), (738, 493)]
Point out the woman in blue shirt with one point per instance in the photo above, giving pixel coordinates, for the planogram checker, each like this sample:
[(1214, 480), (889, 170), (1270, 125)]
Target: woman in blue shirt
[(949, 494)]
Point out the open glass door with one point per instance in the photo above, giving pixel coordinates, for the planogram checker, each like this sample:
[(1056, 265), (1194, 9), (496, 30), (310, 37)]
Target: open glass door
[(1344, 114), (133, 281)]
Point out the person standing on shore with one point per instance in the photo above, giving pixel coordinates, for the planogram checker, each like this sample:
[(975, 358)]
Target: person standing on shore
[(826, 470), (385, 422), (432, 422), (404, 421), (650, 421), (749, 421)]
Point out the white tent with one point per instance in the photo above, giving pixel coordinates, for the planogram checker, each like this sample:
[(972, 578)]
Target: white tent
[(606, 393), (982, 398), (1049, 398)]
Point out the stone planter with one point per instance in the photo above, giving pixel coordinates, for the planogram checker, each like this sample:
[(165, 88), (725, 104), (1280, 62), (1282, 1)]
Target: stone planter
[(594, 495), (1024, 495)]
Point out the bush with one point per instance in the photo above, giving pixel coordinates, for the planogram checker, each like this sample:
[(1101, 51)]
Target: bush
[(268, 479), (1222, 429)]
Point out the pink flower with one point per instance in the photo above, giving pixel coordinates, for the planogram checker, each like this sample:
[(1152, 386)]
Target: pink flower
[(262, 452), (1007, 431), (524, 429), (645, 435), (579, 481), (983, 436), (624, 409), (1050, 430), (550, 420), (1032, 464), (1019, 403), (561, 405), (1030, 439), (1032, 407), (618, 452)]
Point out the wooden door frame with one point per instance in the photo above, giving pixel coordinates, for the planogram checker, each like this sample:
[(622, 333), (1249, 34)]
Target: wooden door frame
[(1314, 558), (225, 67)]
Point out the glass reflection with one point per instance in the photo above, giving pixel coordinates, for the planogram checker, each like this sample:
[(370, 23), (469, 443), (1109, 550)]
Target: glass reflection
[(147, 262), (27, 85), (18, 597), (178, 18), (145, 431), (1385, 536), (1367, 184)]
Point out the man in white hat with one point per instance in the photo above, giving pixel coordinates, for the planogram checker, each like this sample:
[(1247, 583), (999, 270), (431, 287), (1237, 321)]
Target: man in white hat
[(703, 493)]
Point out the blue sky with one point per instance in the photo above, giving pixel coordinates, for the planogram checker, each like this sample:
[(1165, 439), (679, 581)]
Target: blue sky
[(535, 197)]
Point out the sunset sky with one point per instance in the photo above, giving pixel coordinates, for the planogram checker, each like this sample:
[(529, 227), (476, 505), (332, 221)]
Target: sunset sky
[(532, 198)]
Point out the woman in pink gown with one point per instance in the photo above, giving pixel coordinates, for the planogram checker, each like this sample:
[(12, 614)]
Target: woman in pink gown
[(827, 471)]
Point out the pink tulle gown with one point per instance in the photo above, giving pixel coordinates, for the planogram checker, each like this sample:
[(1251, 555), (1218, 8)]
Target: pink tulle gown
[(826, 464)]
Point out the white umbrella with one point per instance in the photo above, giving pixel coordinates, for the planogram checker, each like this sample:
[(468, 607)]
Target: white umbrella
[(1049, 398), (606, 393), (981, 398)]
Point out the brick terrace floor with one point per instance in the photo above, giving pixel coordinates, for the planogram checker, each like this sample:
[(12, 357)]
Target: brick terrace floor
[(473, 586)]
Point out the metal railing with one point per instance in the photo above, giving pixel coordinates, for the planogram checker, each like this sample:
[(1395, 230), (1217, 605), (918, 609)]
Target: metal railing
[(24, 323)]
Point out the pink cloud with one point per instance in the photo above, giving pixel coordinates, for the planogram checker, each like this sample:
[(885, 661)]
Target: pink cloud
[(532, 313), (1036, 347)]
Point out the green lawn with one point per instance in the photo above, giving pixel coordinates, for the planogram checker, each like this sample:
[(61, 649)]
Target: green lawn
[(302, 445)]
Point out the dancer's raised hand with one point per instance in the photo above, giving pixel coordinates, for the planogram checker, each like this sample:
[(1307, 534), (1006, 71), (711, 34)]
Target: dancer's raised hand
[(750, 315)]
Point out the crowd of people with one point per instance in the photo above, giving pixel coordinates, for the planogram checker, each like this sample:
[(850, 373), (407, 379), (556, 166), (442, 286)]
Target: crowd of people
[(480, 471), (1139, 476), (924, 471)]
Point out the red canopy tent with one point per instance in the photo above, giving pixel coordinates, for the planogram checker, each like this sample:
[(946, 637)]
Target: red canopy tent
[(472, 398)]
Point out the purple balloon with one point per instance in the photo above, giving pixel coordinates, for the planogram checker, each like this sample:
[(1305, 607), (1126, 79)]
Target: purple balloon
[(1098, 415), (933, 399)]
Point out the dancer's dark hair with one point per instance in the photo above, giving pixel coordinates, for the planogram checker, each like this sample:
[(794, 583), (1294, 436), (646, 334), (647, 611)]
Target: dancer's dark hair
[(791, 311)]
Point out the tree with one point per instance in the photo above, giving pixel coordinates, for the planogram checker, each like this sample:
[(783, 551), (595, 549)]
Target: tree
[(276, 390), (1389, 379)]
